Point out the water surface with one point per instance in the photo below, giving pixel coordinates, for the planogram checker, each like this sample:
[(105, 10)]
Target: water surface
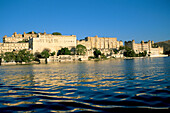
[(119, 86)]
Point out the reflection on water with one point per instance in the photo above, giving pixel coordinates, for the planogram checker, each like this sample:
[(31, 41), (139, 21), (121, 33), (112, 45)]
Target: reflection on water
[(103, 86)]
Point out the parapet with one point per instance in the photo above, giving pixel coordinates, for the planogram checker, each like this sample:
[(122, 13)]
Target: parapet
[(5, 36), (73, 35), (126, 42)]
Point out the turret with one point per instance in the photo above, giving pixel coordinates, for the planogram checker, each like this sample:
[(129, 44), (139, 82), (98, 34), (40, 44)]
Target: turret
[(15, 33), (96, 41), (73, 35), (44, 33), (133, 44), (4, 38), (152, 42), (149, 45), (121, 43), (149, 42)]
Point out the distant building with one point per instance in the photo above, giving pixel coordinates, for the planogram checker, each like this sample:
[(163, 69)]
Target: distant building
[(144, 46), (100, 42), (16, 42), (18, 37), (37, 42), (52, 42), (9, 47), (104, 44)]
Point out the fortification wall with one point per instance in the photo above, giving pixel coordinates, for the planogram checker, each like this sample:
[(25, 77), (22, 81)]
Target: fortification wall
[(101, 43)]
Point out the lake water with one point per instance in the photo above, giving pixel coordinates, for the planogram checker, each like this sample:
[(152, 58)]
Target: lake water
[(120, 86)]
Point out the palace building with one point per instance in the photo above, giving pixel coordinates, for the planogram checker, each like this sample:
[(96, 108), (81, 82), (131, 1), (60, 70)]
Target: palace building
[(52, 42), (144, 46), (37, 42), (100, 42), (9, 47), (104, 44), (18, 37)]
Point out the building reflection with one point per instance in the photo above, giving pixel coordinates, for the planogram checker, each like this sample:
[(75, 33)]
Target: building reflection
[(129, 69), (52, 79), (91, 74), (61, 82)]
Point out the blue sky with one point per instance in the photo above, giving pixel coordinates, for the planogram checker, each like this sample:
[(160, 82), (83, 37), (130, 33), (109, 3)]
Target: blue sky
[(124, 19)]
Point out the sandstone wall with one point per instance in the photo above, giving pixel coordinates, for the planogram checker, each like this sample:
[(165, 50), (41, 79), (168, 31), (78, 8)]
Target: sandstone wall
[(9, 47), (53, 42), (101, 43), (144, 46)]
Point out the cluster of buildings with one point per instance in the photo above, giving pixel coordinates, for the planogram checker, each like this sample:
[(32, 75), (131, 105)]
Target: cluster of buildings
[(148, 46), (38, 42)]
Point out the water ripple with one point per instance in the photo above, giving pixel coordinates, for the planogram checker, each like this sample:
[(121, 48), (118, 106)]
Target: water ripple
[(120, 86)]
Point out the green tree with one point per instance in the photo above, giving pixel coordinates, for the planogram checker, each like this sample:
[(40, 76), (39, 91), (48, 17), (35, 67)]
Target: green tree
[(21, 56), (144, 53), (64, 51), (56, 33), (9, 57), (18, 58), (37, 55), (129, 52), (1, 56), (31, 57), (140, 54), (96, 53), (115, 51), (24, 56), (103, 56), (47, 49), (121, 47), (53, 53), (81, 50), (154, 45), (45, 54)]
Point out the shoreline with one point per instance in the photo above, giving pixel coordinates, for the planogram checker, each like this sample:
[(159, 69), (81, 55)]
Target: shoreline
[(153, 56), (124, 58)]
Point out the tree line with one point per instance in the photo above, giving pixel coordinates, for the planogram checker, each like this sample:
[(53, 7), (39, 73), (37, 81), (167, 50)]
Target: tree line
[(26, 56), (20, 56)]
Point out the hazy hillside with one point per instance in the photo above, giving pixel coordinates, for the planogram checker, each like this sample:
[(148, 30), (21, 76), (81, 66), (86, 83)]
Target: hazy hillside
[(165, 44)]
